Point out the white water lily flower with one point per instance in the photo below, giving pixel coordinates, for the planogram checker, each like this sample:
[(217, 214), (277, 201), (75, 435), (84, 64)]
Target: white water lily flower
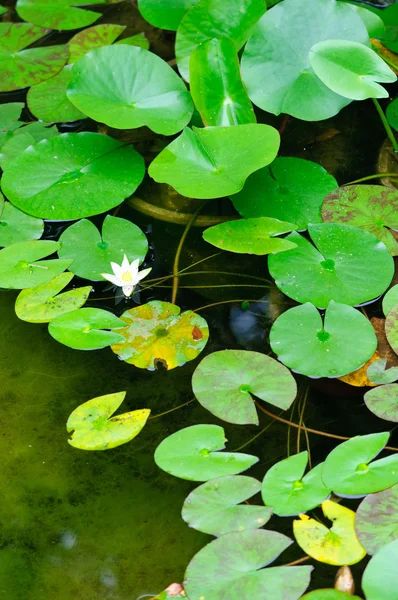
[(126, 275)]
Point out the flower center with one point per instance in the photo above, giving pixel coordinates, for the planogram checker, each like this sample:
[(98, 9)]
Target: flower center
[(127, 277)]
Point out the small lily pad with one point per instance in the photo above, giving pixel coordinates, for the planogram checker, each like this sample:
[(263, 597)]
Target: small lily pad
[(391, 328), (156, 334), (59, 14), (338, 545), (376, 522), (214, 507), (226, 381), (383, 400), (289, 189), (86, 329), (43, 303), (348, 469), (250, 236), (347, 265), (390, 299), (93, 429), (379, 581), (377, 373), (373, 208), (22, 138), (192, 453), (288, 491), (16, 226), (232, 567), (340, 345), (92, 251)]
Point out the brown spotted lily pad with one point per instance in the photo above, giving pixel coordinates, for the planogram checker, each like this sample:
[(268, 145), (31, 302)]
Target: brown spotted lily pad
[(156, 334), (392, 328), (370, 207), (376, 520)]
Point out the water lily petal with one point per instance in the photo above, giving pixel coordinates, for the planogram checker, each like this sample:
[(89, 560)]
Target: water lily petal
[(128, 290), (112, 278), (117, 269), (143, 274)]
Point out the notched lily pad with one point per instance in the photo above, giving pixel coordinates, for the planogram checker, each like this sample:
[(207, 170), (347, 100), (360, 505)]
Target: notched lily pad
[(156, 334), (383, 400), (376, 522), (93, 428), (86, 329), (378, 373)]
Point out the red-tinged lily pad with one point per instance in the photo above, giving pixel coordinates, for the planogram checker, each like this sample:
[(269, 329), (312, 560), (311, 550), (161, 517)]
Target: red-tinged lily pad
[(383, 400), (391, 328), (376, 522)]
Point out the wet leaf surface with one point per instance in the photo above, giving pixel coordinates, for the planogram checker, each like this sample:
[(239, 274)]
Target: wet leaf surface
[(16, 226)]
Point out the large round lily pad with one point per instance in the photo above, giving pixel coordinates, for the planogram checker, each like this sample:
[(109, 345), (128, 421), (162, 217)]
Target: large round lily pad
[(289, 189), (86, 329), (373, 208), (340, 345), (204, 163), (128, 87), (192, 453), (348, 469), (16, 226), (59, 14), (391, 328), (379, 580), (21, 67), (156, 334), (86, 174), (276, 65), (232, 567), (226, 381), (92, 426), (383, 401), (376, 522), (288, 491), (214, 507), (92, 251), (346, 264)]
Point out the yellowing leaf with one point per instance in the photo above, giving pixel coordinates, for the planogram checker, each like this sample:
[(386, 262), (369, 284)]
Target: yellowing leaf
[(359, 377), (336, 546)]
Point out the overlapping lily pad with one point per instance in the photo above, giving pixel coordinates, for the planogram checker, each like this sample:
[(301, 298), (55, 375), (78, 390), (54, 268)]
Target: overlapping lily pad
[(216, 84), (276, 67), (98, 36), (390, 299), (383, 400), (43, 303), (163, 13), (232, 567), (226, 381), (340, 345), (250, 236), (348, 469), (156, 334), (92, 251), (392, 113), (391, 328), (289, 491), (289, 189), (16, 226), (22, 138), (86, 174), (376, 522), (86, 329), (379, 580), (128, 87), (9, 119), (373, 208), (21, 67), (193, 453), (214, 507), (204, 163), (210, 19), (346, 264), (60, 14), (379, 374)]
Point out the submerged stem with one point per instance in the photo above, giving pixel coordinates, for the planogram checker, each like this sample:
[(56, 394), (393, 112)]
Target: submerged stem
[(375, 176), (172, 409), (386, 124)]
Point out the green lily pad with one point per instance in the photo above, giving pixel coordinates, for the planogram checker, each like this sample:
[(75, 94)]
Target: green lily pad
[(232, 567), (392, 114), (373, 208), (21, 267), (21, 68), (383, 400), (16, 226), (128, 87), (192, 453), (329, 594), (165, 14), (204, 163), (216, 85), (59, 14), (340, 345), (22, 138), (92, 252), (379, 580), (210, 19), (157, 334), (86, 329), (351, 69), (377, 373), (275, 64), (226, 381), (3, 10), (348, 469), (43, 303), (93, 429), (9, 119), (391, 328), (214, 507), (86, 174), (91, 38), (347, 265), (289, 189), (288, 491), (390, 299), (250, 236), (373, 23), (376, 522)]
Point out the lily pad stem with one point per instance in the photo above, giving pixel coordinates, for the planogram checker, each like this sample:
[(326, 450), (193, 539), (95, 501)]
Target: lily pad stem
[(375, 176), (386, 124), (172, 409)]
